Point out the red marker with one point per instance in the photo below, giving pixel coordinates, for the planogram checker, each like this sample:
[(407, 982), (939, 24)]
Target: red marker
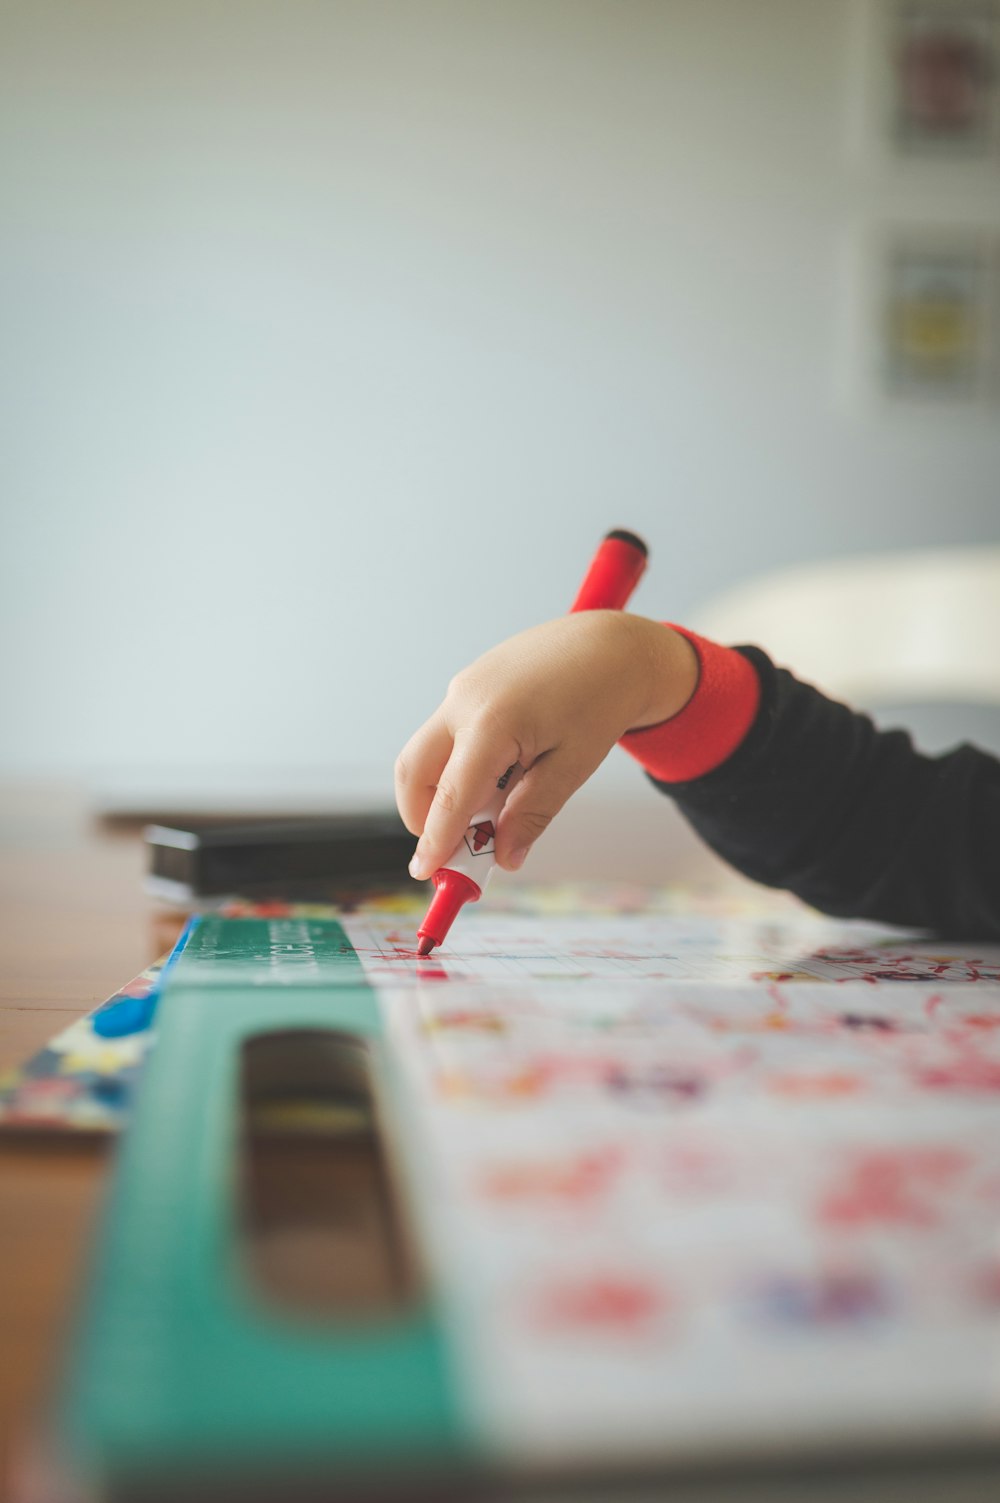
[(614, 572)]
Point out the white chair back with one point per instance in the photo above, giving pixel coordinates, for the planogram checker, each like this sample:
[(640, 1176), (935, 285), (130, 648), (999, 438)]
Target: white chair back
[(906, 628)]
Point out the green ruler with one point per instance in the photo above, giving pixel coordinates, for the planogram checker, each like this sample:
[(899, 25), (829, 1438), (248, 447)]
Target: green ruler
[(186, 1366)]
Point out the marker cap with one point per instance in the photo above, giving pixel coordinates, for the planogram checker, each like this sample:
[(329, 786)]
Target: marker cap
[(454, 890)]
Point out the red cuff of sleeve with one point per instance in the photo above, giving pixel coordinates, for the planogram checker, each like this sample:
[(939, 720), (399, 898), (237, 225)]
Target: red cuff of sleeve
[(711, 725)]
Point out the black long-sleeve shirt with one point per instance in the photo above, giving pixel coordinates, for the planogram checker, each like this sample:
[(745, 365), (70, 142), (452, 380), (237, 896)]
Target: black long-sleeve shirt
[(852, 819)]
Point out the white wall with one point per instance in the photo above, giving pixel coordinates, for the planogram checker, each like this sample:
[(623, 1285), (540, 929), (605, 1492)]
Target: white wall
[(336, 332)]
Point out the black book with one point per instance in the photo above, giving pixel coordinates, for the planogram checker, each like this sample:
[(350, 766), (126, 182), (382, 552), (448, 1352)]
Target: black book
[(300, 858)]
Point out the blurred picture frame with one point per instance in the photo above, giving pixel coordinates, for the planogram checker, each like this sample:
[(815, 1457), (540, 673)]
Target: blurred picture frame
[(920, 331), (943, 75), (924, 83), (936, 317)]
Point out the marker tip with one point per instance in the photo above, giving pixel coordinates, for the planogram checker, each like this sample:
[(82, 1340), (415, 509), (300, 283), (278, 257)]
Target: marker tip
[(425, 944)]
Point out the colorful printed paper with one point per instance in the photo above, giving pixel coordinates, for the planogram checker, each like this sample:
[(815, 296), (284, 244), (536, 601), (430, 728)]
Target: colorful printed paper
[(687, 1177), (700, 1208), (81, 1081)]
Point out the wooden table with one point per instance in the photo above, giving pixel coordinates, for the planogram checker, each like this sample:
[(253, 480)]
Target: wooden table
[(74, 925)]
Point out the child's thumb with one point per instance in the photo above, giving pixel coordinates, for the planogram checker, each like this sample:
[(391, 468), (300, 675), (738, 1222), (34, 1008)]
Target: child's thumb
[(535, 802)]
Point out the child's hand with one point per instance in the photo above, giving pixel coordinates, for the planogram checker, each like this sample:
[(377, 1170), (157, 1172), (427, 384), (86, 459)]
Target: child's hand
[(555, 698)]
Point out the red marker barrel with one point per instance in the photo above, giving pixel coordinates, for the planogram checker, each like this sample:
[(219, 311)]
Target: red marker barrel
[(615, 570)]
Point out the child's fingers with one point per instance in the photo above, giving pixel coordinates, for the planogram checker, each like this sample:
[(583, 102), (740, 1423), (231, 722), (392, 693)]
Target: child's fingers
[(465, 784), (418, 769), (537, 799)]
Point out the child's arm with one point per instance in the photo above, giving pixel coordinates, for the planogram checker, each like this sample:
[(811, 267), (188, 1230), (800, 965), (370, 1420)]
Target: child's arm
[(792, 788), (852, 819)]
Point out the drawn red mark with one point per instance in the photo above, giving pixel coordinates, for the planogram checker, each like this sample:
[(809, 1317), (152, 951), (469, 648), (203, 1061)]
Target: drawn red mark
[(898, 1187), (529, 1082), (578, 1179), (833, 1083), (970, 1073), (987, 1284), (696, 1170), (605, 1301), (476, 1022)]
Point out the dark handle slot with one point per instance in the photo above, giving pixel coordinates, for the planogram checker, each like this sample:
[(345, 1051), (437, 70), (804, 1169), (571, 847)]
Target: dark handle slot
[(321, 1232)]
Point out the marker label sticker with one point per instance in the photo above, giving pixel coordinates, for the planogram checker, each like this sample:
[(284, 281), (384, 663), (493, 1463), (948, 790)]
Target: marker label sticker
[(480, 838)]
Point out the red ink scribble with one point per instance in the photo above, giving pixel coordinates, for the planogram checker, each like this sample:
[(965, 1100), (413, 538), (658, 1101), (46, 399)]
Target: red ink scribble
[(528, 1078), (402, 951), (893, 1187), (467, 1021), (653, 1084), (886, 965), (783, 976), (696, 1170), (525, 1083), (583, 1178), (969, 1073), (988, 1190), (605, 1301), (779, 1018), (986, 1284), (832, 1083)]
